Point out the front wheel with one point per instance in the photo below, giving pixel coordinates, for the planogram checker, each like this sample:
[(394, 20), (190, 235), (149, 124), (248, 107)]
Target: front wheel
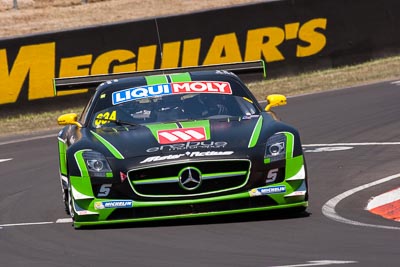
[(66, 200), (70, 203)]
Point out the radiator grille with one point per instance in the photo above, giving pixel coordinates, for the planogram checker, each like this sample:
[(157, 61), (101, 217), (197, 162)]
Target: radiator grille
[(188, 179)]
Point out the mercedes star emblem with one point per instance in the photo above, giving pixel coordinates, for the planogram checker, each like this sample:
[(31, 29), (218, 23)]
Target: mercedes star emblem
[(190, 178)]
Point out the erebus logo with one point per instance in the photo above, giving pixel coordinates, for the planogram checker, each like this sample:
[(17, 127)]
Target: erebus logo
[(189, 146), (181, 135)]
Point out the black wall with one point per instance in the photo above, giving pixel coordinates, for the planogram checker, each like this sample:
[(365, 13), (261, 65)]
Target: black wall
[(292, 36)]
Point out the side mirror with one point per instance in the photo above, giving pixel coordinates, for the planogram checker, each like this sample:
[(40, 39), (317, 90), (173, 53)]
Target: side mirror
[(274, 101), (68, 119)]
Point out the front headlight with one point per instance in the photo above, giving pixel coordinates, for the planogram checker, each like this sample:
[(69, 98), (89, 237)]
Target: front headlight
[(97, 164), (276, 147)]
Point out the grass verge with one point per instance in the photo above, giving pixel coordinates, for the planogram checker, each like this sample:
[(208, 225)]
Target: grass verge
[(370, 72), (330, 79)]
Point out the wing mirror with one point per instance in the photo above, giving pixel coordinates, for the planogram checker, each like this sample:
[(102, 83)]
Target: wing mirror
[(68, 119), (274, 101)]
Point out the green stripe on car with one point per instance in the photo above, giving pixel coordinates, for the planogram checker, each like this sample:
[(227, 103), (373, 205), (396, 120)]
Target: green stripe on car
[(109, 146), (156, 79), (62, 148), (293, 166), (256, 133), (175, 179), (81, 163), (289, 144), (180, 77), (82, 182), (155, 128)]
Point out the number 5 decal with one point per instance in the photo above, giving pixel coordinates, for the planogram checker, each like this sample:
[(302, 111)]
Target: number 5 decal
[(272, 175), (104, 190)]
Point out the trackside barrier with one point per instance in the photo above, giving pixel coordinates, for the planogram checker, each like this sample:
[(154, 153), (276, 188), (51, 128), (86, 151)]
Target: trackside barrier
[(291, 36)]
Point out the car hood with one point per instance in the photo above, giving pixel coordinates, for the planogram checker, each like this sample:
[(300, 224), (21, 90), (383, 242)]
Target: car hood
[(215, 137)]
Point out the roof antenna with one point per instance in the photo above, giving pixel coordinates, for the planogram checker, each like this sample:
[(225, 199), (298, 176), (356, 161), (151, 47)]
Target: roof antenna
[(159, 40)]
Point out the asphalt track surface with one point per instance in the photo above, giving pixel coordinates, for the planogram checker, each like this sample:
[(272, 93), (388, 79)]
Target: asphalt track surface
[(352, 139)]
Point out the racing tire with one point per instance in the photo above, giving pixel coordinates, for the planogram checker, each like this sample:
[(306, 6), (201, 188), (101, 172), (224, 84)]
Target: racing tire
[(66, 201), (71, 211)]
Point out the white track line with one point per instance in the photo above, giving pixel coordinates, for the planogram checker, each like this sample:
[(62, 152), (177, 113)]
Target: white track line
[(318, 263), (329, 207), (27, 139), (64, 220), (356, 144), (24, 224)]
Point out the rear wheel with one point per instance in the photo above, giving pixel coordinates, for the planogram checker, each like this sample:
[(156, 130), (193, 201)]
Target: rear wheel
[(64, 192)]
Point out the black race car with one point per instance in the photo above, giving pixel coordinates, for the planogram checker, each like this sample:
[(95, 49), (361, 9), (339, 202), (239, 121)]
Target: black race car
[(174, 145)]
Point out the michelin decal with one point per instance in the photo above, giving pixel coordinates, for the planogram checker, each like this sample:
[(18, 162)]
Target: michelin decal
[(268, 190), (112, 204)]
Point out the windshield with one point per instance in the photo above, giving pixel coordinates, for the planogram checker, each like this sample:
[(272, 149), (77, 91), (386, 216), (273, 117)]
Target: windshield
[(130, 102), (171, 108)]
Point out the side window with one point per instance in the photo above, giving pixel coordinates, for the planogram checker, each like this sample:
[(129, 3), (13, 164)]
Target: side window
[(84, 114), (247, 106)]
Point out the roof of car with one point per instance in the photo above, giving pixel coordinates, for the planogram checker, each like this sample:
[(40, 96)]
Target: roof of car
[(132, 82)]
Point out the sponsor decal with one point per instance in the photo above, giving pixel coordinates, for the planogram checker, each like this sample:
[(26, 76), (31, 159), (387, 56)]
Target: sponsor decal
[(188, 154), (201, 87), (249, 117), (268, 190), (181, 135), (112, 204), (103, 118), (39, 63), (188, 145), (169, 89)]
